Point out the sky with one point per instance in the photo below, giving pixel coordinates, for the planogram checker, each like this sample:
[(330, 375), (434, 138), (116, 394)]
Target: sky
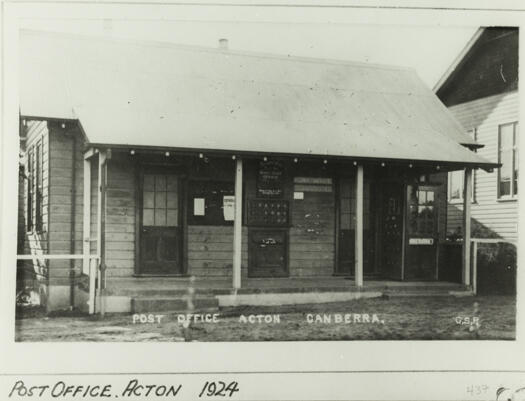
[(428, 49)]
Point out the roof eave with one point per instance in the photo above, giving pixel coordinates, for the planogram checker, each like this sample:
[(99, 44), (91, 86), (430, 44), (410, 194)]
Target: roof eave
[(446, 165)]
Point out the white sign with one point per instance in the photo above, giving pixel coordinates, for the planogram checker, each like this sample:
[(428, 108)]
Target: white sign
[(198, 207), (298, 195), (421, 241), (228, 207)]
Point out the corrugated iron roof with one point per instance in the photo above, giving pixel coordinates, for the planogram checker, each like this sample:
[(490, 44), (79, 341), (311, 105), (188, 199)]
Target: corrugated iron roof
[(152, 94)]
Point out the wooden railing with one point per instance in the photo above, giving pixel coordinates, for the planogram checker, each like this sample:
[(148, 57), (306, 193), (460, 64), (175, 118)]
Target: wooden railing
[(475, 242)]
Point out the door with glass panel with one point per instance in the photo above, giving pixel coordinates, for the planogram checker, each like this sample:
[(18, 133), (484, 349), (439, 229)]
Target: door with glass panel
[(422, 232), (160, 228)]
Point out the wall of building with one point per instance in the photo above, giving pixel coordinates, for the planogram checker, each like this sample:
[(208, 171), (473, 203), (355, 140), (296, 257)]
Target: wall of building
[(490, 67), (66, 144), (210, 251), (311, 238), (120, 216), (312, 235), (36, 241), (491, 217), (210, 248)]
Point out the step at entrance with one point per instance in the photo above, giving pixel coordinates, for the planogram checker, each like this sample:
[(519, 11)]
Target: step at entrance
[(171, 304)]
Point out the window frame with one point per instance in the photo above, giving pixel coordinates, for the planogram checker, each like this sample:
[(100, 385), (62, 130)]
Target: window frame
[(460, 199), (513, 194), (39, 187), (30, 191), (35, 188), (474, 133)]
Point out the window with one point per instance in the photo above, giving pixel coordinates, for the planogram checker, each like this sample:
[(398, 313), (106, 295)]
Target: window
[(508, 158), (35, 188), (39, 204), (30, 190), (160, 200), (456, 185), (206, 202), (422, 213), (456, 179)]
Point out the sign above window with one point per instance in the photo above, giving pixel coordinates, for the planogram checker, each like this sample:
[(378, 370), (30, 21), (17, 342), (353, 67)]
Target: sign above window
[(312, 184)]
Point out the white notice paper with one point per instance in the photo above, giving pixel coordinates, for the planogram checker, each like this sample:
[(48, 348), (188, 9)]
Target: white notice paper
[(228, 207), (198, 206)]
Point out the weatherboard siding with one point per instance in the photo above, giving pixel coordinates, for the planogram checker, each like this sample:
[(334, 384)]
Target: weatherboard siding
[(209, 248), (210, 251), (120, 216), (36, 242), (65, 197), (312, 235), (498, 218)]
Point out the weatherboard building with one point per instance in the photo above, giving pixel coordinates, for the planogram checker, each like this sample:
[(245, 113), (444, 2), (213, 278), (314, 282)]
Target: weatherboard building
[(269, 179)]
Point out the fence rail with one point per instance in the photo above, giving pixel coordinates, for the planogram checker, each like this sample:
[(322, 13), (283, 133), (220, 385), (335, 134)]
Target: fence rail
[(475, 242), (54, 257), (92, 269)]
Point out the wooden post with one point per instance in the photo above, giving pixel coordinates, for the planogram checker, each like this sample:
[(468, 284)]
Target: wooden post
[(101, 211), (359, 226), (87, 265), (86, 223), (475, 267), (92, 283), (467, 196), (237, 227)]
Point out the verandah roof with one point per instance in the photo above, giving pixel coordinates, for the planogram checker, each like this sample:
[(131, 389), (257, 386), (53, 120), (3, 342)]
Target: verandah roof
[(163, 95)]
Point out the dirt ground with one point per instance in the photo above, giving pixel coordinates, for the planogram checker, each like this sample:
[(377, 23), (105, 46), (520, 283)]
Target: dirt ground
[(412, 318)]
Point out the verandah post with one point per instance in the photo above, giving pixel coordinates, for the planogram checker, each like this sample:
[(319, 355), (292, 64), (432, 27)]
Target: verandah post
[(467, 196), (101, 222), (359, 226), (86, 224), (237, 226)]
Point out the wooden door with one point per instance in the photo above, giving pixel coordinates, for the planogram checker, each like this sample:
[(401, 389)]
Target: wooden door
[(392, 201), (161, 228), (422, 232)]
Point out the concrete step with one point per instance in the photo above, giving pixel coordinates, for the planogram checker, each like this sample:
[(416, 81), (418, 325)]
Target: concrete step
[(135, 292), (171, 304), (462, 293), (174, 293), (420, 288)]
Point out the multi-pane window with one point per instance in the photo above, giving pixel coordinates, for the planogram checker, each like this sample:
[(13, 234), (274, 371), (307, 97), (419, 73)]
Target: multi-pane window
[(160, 202), (422, 213), (508, 158)]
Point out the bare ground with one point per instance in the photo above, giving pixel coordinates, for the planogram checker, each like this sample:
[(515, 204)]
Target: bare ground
[(410, 318)]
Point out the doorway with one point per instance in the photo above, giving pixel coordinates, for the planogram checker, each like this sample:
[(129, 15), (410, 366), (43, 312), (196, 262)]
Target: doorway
[(422, 232), (346, 227), (392, 219), (160, 231)]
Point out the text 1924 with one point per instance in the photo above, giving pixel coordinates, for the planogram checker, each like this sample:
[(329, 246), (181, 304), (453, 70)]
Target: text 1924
[(219, 389)]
